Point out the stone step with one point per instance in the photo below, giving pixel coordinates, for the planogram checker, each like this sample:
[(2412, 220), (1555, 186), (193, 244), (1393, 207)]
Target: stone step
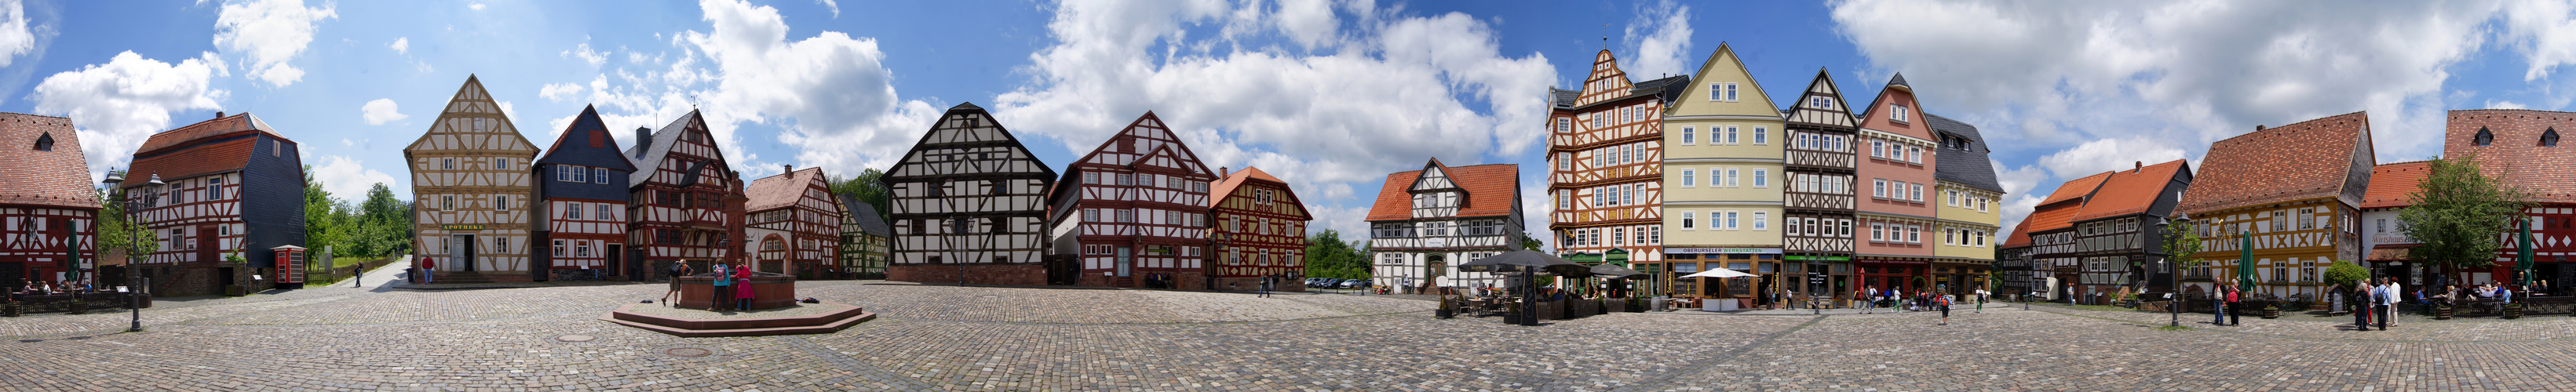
[(836, 326), (624, 313)]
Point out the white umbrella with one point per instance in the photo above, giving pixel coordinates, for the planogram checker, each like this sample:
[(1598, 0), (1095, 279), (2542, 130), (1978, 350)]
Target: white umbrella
[(1719, 273)]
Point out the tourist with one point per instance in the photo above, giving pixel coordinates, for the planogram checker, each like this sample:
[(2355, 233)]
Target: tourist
[(742, 288), (1944, 303), (1981, 300), (2388, 306), (428, 264), (2361, 303), (678, 270), (1899, 296), (723, 293), (1868, 298), (2235, 298)]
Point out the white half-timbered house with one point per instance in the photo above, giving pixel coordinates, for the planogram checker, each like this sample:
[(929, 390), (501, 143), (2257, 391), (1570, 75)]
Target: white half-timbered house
[(1427, 222), (1135, 211), (968, 204), (792, 222), (233, 186), (47, 208), (581, 218), (864, 236), (469, 175), (676, 209)]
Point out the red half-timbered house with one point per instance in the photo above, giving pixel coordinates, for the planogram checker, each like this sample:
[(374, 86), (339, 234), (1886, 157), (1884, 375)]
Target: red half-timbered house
[(232, 186), (1259, 231), (793, 222), (1135, 210), (2521, 148), (678, 194), (47, 207)]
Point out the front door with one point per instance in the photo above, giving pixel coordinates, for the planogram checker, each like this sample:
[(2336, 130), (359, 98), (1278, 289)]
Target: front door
[(460, 256), (1126, 261), (13, 274), (206, 249), (617, 262), (1433, 268)]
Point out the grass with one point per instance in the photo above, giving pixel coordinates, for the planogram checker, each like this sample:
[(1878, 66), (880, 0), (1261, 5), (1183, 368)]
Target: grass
[(2174, 328)]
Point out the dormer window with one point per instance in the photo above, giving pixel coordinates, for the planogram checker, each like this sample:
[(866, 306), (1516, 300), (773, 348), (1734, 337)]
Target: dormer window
[(1898, 114), (2549, 138), (2483, 137), (45, 142)]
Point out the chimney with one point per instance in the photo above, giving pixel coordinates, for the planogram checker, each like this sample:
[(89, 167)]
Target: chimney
[(219, 114), (1222, 171), (642, 135), (2142, 165), (2258, 127), (787, 169)]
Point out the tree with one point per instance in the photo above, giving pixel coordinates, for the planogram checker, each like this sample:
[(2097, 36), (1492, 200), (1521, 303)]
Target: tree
[(2459, 212), (2344, 273), (115, 232), (867, 188), (1532, 243), (2182, 245), (322, 229), (385, 222), (1327, 256)]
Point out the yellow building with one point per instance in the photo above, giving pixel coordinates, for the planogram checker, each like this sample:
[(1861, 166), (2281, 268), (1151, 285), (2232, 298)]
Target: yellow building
[(1722, 181), (1970, 209)]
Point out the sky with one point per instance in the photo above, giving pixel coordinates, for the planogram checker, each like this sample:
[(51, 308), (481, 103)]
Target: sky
[(1330, 95)]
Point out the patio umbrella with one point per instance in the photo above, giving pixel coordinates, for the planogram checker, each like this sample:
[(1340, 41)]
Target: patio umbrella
[(2522, 263), (1719, 273), (1616, 272), (2245, 259)]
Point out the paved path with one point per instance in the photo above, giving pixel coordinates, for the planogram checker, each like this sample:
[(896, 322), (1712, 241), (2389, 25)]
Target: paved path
[(1009, 339)]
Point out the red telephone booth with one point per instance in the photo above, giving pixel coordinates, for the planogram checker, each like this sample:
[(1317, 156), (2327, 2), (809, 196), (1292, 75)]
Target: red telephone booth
[(290, 266)]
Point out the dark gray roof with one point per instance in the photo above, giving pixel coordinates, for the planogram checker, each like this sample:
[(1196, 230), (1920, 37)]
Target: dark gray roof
[(1968, 165), (865, 216), (1899, 80), (1564, 98), (1670, 88)]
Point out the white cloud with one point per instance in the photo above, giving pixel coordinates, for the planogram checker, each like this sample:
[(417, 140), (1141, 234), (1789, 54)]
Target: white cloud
[(831, 92), (269, 33), (475, 6), (2106, 155), (401, 45), (834, 5), (16, 36), (381, 110), (347, 179), (2545, 33), (1397, 92), (1659, 37), (583, 52), (2494, 104), (559, 91), (120, 103)]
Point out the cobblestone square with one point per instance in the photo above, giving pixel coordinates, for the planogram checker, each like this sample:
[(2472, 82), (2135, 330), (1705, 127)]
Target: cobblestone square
[(934, 337)]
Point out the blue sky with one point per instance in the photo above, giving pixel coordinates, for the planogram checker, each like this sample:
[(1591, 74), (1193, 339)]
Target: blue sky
[(1329, 94)]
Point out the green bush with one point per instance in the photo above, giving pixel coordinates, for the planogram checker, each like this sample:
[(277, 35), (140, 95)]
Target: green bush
[(2344, 273)]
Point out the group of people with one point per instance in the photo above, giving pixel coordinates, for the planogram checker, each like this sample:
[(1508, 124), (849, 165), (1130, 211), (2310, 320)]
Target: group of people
[(732, 286), (2375, 299), (2490, 294), (40, 287)]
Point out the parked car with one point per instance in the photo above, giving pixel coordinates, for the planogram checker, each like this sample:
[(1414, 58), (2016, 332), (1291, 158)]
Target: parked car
[(1356, 284), (1311, 282)]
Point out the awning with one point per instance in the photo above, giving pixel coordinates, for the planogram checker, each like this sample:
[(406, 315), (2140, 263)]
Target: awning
[(2390, 253)]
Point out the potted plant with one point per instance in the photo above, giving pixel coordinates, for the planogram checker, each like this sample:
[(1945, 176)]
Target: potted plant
[(2442, 312), (1447, 309), (2513, 310), (2271, 311), (11, 309)]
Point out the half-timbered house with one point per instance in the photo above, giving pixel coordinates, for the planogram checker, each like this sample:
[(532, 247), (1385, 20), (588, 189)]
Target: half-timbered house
[(864, 236), (793, 222), (1722, 171), (470, 176), (2519, 148), (1817, 209), (2051, 229), (677, 198), (1427, 222), (2295, 190), (1260, 231), (1135, 211), (232, 187), (47, 208), (2116, 242), (1607, 149), (581, 185), (969, 204)]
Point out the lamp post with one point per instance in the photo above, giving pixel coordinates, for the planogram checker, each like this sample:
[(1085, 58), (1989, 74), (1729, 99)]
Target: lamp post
[(134, 296), (2173, 274)]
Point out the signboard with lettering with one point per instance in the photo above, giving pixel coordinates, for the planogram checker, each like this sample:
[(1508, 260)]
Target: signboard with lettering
[(1818, 258), (1723, 250), (460, 227)]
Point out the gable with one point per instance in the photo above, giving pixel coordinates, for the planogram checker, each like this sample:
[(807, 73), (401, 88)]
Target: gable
[(1433, 178), (1703, 95), (966, 140), (1821, 104), (473, 121), (586, 142)]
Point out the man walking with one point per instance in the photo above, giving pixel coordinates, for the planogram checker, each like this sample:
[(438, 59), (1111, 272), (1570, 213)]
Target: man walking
[(1265, 286), (1944, 302), (358, 275), (678, 270), (1981, 300)]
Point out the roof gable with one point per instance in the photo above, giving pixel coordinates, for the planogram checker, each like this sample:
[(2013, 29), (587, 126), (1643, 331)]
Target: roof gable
[(963, 127), (1879, 117), (1491, 191), (1821, 104), (647, 156), (2393, 185), (2516, 155), (575, 146), (1723, 67), (2311, 159), (782, 190), (2131, 192), (1224, 187), (467, 112), (57, 176)]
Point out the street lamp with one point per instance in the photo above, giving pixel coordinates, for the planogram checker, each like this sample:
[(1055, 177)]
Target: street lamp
[(134, 297), (2173, 299)]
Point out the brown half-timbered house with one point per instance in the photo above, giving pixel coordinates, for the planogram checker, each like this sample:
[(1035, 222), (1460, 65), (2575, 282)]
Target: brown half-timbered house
[(1260, 231), (793, 222), (47, 208), (2295, 190), (679, 196), (1606, 148), (969, 204), (1135, 211), (1816, 226)]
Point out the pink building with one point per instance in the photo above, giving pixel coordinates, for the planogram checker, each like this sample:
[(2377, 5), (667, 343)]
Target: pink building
[(1896, 215)]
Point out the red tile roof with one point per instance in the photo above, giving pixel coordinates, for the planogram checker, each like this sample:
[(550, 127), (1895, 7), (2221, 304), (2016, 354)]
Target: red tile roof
[(194, 150), (780, 191), (2392, 183), (2516, 156), (1224, 186), (1490, 191), (2077, 188), (58, 178), (2130, 192), (2058, 211), (2307, 160), (2020, 235)]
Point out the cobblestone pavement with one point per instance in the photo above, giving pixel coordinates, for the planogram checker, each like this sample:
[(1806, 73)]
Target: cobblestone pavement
[(985, 338)]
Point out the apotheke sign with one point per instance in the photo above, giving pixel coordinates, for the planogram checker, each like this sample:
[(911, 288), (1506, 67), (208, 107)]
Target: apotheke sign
[(1723, 250)]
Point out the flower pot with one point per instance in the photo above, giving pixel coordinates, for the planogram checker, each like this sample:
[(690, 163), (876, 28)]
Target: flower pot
[(2442, 313), (11, 310), (2271, 312), (78, 308), (1445, 312), (2512, 311)]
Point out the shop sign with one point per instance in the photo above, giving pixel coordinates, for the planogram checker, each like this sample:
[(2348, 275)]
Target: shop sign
[(1818, 258), (1773, 251), (460, 227)]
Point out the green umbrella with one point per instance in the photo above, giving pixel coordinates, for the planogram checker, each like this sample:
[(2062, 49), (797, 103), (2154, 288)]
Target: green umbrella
[(2522, 263), (2245, 259)]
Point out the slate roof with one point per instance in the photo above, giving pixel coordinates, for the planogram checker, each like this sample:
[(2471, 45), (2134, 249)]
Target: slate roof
[(780, 191), (2392, 183), (646, 156), (2516, 156), (865, 215), (1668, 88), (1490, 190), (2307, 160), (1563, 98), (1967, 167), (194, 150), (583, 129), (56, 178), (1898, 81), (2131, 192)]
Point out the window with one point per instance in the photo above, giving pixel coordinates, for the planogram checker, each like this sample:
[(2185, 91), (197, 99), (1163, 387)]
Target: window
[(447, 202), (45, 142), (603, 211), (1689, 135), (1731, 176), (450, 163), (1877, 149), (1761, 136), (1879, 189), (1564, 199), (1954, 197), (578, 175), (1760, 222), (1126, 216), (1687, 218), (2549, 138), (2381, 225), (1618, 236), (1691, 179), (563, 173), (1730, 92), (1847, 228), (1730, 219), (1654, 235), (1914, 154), (1091, 178), (1898, 114), (1794, 226), (581, 249), (572, 211), (500, 202), (1597, 197), (599, 175), (500, 163), (215, 188), (1913, 234), (1981, 239), (1730, 134), (1817, 102), (1564, 125), (1918, 193)]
